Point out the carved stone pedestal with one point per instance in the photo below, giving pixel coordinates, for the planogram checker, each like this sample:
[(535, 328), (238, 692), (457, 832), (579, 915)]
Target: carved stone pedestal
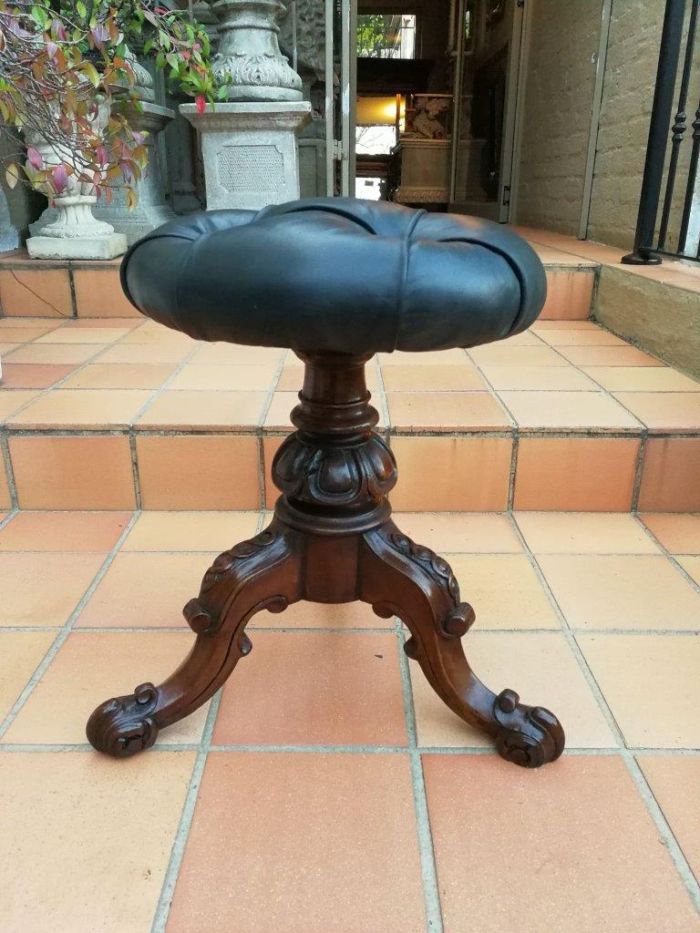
[(249, 152), (331, 540)]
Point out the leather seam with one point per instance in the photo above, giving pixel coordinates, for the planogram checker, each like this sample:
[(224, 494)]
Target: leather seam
[(405, 256)]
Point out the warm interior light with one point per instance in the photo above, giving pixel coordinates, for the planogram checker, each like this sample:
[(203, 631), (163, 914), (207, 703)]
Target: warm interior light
[(379, 111)]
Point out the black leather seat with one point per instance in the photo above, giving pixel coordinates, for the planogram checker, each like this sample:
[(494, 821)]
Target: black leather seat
[(335, 274)]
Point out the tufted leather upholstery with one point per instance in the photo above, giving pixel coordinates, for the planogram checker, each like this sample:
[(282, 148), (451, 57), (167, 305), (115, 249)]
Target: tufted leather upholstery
[(336, 274)]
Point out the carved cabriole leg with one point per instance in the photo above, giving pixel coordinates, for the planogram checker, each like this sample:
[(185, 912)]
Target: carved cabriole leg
[(404, 579), (263, 573)]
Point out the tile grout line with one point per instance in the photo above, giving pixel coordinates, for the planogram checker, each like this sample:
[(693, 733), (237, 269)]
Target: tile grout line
[(655, 813), (8, 469), (177, 852), (65, 630), (665, 551), (426, 850)]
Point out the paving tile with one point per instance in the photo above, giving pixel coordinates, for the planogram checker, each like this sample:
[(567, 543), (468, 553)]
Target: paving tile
[(541, 668), (670, 475), (691, 565), (198, 377), (128, 323), (504, 591), (341, 616), (338, 850), (452, 473), (210, 410), (226, 353), (651, 685), (92, 667), (569, 294), (270, 447), (608, 356), (5, 498), (189, 531), (63, 531), (446, 411), (120, 376), (98, 294), (675, 783), (33, 375), (454, 357), (591, 849), (13, 400), (641, 379), (44, 589), (68, 334), (589, 410), (667, 411), (188, 472), (336, 689), (78, 408), (35, 293), (22, 330), (277, 415), (623, 592), (455, 532), (582, 338), (584, 533), (576, 474), (10, 323), (150, 354), (73, 472), (543, 378), (433, 378), (20, 654), (500, 355), (680, 534), (292, 376), (146, 590), (54, 353), (81, 810), (554, 324)]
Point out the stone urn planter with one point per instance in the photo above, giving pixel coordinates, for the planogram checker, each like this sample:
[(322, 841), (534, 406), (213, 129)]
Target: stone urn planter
[(70, 230)]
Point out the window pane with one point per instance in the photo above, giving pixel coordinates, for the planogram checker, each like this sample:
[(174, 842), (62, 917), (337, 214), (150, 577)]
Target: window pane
[(384, 35)]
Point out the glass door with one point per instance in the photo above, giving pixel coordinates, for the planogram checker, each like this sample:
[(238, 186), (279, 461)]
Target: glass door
[(340, 95)]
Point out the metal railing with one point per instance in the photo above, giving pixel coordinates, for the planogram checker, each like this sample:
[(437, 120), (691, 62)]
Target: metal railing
[(678, 230)]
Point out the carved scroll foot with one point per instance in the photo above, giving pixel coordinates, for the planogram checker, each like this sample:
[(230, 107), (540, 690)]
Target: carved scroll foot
[(263, 573), (402, 578)]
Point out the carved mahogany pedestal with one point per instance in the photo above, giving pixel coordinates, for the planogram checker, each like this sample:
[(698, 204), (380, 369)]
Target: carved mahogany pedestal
[(332, 541)]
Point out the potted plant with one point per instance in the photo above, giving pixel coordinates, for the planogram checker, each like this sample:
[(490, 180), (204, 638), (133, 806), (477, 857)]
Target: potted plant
[(68, 81)]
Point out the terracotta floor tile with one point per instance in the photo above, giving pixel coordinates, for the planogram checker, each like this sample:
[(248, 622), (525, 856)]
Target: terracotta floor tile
[(128, 323), (270, 447), (212, 410), (144, 353), (146, 590), (44, 589), (680, 534), (582, 338), (54, 353), (432, 378), (543, 378), (292, 377), (20, 654), (569, 293), (670, 475), (73, 472), (651, 684), (540, 667), (63, 531), (635, 592), (225, 378), (19, 330), (120, 376), (278, 413), (151, 333), (576, 473), (98, 293), (568, 410), (668, 411), (446, 411), (13, 399), (641, 379), (334, 689), (5, 498), (504, 591), (338, 851), (68, 334), (452, 473), (90, 668), (675, 783), (199, 472), (33, 375), (10, 323), (691, 565), (499, 355), (230, 353), (553, 324), (453, 357), (76, 408), (36, 293), (608, 356), (591, 849), (584, 533), (189, 531), (341, 616), (80, 810), (455, 532)]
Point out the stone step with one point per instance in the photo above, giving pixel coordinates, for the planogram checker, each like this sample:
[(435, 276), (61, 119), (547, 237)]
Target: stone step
[(61, 289), (123, 414)]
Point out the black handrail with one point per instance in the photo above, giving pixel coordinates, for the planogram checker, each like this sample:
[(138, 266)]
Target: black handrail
[(648, 245)]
